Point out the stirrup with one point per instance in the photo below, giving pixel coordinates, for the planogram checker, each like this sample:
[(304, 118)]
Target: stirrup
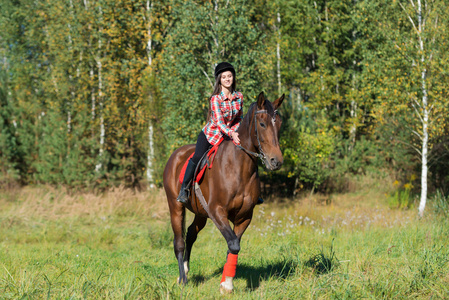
[(186, 195)]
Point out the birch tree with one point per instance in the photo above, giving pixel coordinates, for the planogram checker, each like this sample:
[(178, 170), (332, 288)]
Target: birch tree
[(424, 18), (150, 156), (412, 55), (98, 60)]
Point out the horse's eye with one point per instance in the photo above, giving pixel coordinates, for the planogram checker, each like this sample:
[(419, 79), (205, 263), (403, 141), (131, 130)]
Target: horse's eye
[(262, 125)]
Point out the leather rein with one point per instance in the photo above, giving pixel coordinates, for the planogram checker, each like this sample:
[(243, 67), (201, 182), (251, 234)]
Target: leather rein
[(260, 155)]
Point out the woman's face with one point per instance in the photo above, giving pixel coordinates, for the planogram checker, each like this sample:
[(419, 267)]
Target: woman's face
[(226, 79)]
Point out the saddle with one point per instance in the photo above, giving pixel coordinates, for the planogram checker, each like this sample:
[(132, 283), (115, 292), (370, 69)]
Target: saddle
[(205, 161)]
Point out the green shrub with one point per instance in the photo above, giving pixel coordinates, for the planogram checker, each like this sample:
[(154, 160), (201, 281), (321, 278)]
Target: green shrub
[(440, 204)]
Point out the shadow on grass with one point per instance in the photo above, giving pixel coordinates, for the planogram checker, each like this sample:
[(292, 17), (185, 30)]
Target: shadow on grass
[(322, 263), (197, 279), (254, 275)]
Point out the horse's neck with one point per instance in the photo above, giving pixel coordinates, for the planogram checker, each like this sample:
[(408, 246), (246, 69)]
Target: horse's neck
[(245, 131)]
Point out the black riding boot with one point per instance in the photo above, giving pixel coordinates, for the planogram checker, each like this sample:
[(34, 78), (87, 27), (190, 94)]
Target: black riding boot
[(259, 201), (184, 192)]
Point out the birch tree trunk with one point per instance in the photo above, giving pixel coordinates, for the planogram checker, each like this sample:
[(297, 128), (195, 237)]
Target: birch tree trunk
[(353, 113), (100, 98), (353, 130), (149, 8), (100, 95), (425, 139), (91, 73), (425, 119), (150, 157), (72, 92)]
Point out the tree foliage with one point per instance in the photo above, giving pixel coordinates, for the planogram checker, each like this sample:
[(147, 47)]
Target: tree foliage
[(90, 88)]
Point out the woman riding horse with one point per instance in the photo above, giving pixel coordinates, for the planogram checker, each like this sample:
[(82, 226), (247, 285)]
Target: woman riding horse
[(224, 117), (228, 192)]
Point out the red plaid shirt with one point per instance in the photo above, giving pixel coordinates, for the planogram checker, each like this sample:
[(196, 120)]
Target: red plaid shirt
[(226, 115)]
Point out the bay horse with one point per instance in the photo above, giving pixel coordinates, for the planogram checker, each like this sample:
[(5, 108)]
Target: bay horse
[(231, 187)]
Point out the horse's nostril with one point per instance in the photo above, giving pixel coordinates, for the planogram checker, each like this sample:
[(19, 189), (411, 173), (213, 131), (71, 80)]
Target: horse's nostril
[(275, 163)]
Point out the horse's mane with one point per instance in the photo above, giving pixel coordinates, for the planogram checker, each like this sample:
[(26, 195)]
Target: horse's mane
[(268, 106), (250, 109)]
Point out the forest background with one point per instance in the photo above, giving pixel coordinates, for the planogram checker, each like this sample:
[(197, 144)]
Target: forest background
[(96, 94)]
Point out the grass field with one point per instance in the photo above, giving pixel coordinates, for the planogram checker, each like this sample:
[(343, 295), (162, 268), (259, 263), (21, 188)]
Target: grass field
[(119, 246)]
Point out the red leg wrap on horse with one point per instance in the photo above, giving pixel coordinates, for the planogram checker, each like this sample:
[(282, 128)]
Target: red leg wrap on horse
[(230, 266)]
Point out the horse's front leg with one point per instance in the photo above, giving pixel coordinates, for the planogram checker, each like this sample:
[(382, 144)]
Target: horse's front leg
[(222, 222), (233, 239), (230, 267)]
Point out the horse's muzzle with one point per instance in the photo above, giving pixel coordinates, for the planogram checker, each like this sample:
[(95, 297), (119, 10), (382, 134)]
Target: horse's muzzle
[(274, 163)]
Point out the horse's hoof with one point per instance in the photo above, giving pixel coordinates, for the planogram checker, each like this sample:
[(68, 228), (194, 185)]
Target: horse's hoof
[(226, 289), (179, 281)]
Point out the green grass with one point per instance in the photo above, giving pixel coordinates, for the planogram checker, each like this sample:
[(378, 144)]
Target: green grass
[(119, 246)]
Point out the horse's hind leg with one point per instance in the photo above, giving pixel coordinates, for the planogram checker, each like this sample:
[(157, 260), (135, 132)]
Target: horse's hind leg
[(192, 233), (177, 214)]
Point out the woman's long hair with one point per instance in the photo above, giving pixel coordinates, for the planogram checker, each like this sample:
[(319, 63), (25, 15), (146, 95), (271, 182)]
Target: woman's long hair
[(217, 91)]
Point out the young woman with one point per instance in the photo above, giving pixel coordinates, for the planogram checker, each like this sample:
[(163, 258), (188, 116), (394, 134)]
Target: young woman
[(225, 115)]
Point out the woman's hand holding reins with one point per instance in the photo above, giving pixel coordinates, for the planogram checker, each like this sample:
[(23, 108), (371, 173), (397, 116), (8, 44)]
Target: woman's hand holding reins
[(235, 137)]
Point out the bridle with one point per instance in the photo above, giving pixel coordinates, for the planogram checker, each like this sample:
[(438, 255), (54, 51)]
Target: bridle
[(260, 155)]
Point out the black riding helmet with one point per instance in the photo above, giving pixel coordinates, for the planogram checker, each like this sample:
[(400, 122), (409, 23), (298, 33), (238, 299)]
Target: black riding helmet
[(224, 66)]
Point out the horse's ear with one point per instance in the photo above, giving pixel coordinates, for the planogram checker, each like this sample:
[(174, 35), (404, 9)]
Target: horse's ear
[(278, 102), (261, 100)]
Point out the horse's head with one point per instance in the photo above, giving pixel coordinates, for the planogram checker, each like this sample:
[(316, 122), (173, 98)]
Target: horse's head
[(267, 127)]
